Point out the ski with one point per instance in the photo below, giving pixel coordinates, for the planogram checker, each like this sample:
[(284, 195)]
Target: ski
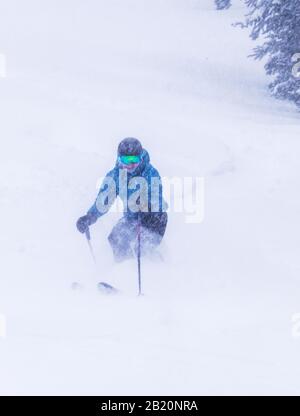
[(107, 288), (76, 286), (102, 287)]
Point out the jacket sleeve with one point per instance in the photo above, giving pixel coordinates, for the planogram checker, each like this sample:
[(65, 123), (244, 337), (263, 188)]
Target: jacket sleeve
[(106, 196), (155, 198)]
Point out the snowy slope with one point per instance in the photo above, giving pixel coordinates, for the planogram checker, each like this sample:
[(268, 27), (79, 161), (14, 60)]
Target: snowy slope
[(216, 318)]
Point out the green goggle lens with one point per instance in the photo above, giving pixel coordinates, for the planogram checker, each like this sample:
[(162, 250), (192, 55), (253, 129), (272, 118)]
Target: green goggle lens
[(130, 159)]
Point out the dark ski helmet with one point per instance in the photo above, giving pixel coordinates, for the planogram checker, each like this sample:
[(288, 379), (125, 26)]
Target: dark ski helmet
[(130, 146)]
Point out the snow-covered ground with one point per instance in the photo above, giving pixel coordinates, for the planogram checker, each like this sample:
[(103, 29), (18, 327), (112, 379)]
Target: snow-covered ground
[(216, 318)]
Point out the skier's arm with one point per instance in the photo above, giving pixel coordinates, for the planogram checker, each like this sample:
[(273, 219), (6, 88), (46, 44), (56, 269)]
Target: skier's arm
[(156, 201), (106, 196), (105, 199)]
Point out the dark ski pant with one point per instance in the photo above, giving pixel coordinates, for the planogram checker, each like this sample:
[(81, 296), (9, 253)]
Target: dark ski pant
[(124, 236)]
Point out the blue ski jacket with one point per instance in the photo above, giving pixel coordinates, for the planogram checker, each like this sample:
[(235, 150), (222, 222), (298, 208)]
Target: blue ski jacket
[(120, 182)]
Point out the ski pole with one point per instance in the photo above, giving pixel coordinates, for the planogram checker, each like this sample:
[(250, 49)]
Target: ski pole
[(88, 239), (103, 286), (139, 254)]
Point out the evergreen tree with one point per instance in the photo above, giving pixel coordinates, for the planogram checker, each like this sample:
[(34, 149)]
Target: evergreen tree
[(277, 22), (223, 4)]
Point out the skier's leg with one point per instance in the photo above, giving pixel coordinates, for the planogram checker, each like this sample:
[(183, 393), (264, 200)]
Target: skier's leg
[(124, 233), (156, 222), (149, 241), (120, 238), (152, 231)]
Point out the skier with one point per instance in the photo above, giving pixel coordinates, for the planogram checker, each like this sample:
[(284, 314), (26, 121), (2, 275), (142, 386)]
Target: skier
[(145, 214)]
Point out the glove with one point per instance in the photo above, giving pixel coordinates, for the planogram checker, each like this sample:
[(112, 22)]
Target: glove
[(84, 222)]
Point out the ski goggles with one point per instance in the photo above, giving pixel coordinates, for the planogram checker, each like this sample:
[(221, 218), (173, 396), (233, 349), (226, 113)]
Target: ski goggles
[(130, 159)]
